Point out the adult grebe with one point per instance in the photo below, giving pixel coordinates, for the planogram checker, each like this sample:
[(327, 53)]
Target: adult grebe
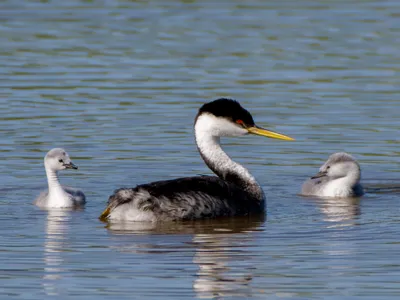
[(58, 196), (338, 177), (234, 192)]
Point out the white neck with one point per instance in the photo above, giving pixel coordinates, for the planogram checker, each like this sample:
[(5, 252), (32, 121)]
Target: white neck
[(52, 179), (57, 196), (351, 179), (219, 162)]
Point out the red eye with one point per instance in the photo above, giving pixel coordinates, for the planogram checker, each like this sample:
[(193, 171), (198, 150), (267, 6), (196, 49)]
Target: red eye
[(240, 122)]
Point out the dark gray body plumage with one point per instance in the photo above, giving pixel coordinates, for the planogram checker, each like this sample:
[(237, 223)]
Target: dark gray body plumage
[(188, 198)]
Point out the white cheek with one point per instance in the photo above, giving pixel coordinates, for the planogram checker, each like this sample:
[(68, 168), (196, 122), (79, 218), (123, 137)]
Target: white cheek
[(214, 126), (58, 166), (338, 171)]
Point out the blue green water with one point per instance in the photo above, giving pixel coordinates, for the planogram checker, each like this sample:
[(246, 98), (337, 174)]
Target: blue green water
[(118, 83)]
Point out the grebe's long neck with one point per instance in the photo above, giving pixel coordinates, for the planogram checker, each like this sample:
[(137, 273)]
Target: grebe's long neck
[(222, 165), (52, 179), (354, 177), (57, 196)]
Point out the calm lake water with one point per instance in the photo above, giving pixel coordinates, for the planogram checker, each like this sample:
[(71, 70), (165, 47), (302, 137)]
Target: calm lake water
[(118, 83)]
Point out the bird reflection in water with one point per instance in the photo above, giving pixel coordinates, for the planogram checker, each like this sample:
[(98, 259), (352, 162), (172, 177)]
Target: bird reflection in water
[(340, 210), (219, 258), (224, 268), (56, 230)]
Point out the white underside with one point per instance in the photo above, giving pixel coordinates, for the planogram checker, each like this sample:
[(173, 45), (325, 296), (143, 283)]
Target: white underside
[(60, 197), (54, 199), (60, 200), (338, 189), (127, 212)]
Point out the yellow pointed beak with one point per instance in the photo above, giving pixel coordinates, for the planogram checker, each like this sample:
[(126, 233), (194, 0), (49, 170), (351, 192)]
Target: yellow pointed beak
[(264, 132)]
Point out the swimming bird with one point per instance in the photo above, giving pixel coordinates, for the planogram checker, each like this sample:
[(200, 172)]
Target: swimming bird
[(235, 192), (338, 177), (58, 196)]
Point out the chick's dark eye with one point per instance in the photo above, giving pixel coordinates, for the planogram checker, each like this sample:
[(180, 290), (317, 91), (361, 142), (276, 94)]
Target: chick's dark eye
[(328, 167), (60, 160)]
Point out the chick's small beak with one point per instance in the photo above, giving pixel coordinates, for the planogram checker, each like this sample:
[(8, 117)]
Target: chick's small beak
[(319, 175), (70, 165), (267, 133)]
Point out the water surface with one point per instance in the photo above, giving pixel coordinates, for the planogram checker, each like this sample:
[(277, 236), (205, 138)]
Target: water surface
[(118, 84)]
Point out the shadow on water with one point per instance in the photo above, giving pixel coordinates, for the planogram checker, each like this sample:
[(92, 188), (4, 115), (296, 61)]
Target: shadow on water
[(383, 188), (217, 245)]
